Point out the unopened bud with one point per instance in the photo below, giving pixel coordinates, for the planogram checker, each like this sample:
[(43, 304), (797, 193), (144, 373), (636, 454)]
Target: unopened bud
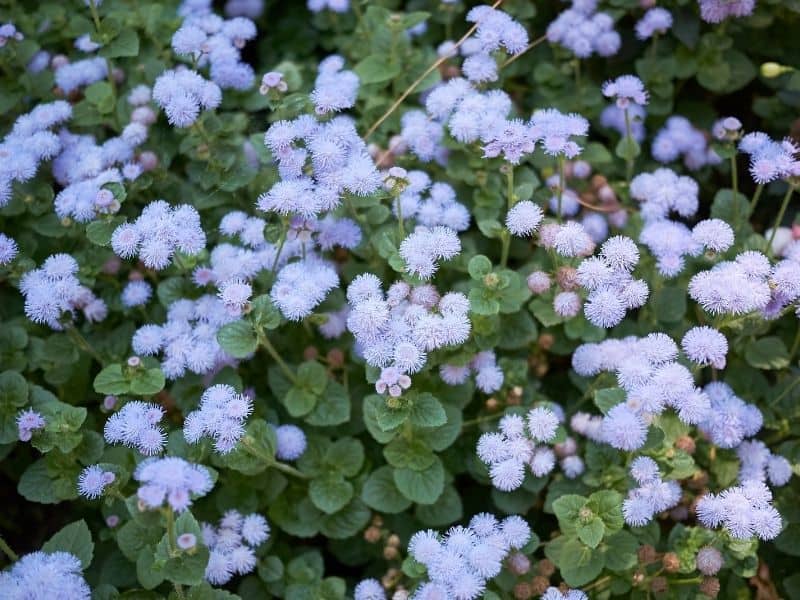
[(523, 591), (519, 564), (545, 567), (686, 443), (310, 353), (671, 562), (372, 535), (710, 587), (646, 554), (539, 585), (770, 70), (659, 585)]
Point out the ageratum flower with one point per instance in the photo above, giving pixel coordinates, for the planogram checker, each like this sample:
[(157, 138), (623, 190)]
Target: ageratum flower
[(36, 576)]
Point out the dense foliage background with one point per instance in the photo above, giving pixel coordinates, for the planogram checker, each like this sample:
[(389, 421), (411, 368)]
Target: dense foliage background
[(370, 464)]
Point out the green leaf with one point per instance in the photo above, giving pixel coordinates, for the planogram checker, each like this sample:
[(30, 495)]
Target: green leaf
[(330, 492), (591, 533), (412, 453), (237, 339), (101, 95), (125, 44), (607, 504), (608, 398), (13, 390), (147, 382), (483, 302), (347, 522), (332, 408), (299, 401), (446, 510), (313, 376), (377, 69), (620, 551), (99, 232), (578, 563), (422, 487), (479, 266), (627, 148), (74, 538), (544, 312), (185, 568), (380, 492), (567, 509), (133, 537), (669, 304), (389, 418), (270, 569), (767, 353), (346, 456), (111, 380), (264, 312), (425, 410)]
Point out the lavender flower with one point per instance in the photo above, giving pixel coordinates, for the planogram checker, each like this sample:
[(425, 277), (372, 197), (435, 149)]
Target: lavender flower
[(136, 425), (93, 480), (158, 233), (29, 421), (460, 562), (173, 480), (291, 442), (421, 249), (626, 89), (36, 575), (232, 545), (221, 415)]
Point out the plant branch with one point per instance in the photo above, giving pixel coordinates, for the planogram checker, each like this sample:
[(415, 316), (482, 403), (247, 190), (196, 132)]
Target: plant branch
[(421, 78)]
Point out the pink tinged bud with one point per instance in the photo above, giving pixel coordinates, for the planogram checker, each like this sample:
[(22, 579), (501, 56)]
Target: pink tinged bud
[(134, 361), (112, 521), (148, 160), (108, 477), (109, 402), (187, 541)]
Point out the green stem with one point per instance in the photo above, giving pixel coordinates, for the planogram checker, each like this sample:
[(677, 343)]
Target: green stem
[(270, 461), (687, 581), (779, 218), (735, 186), (264, 341), (755, 199), (8, 551), (561, 184), (169, 515), (95, 15), (400, 229), (598, 583), (483, 419), (628, 157), (281, 242), (510, 186), (788, 389), (179, 591), (795, 346), (81, 341), (510, 200)]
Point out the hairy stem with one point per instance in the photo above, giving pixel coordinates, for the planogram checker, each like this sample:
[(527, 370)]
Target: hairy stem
[(8, 551), (779, 218), (81, 342), (755, 199), (263, 340), (561, 184), (421, 78), (270, 461), (530, 46)]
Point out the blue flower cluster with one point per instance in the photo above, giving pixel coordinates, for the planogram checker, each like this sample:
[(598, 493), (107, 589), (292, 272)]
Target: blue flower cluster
[(460, 562)]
